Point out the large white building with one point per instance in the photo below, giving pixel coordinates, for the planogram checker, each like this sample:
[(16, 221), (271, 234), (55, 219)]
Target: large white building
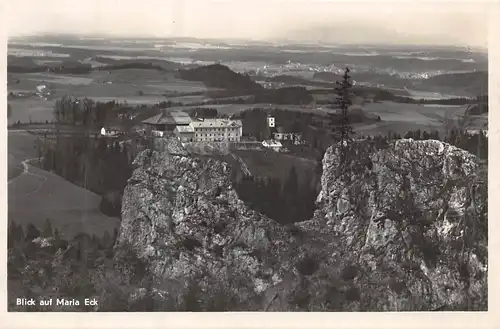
[(215, 130), (195, 130)]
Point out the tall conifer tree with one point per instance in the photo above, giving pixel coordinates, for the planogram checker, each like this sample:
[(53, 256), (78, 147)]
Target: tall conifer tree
[(344, 101)]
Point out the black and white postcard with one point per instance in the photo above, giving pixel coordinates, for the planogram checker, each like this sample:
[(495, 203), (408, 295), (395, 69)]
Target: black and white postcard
[(291, 159)]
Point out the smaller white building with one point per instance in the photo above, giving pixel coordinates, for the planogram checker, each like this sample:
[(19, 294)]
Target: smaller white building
[(296, 138), (109, 132), (272, 144)]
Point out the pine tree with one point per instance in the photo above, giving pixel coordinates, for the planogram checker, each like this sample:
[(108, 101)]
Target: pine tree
[(478, 144), (31, 233), (417, 134), (47, 229), (343, 102), (409, 134)]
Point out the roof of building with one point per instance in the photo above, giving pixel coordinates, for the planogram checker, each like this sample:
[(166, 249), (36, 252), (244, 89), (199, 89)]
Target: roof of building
[(159, 119), (180, 117), (175, 118), (217, 123), (185, 129)]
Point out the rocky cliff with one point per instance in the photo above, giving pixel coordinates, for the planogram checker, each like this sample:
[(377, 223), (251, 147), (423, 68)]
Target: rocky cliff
[(398, 227), (182, 216)]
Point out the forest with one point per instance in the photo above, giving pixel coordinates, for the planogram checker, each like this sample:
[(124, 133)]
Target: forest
[(99, 165)]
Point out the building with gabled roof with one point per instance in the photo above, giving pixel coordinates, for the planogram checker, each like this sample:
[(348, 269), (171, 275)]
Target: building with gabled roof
[(197, 130), (167, 121)]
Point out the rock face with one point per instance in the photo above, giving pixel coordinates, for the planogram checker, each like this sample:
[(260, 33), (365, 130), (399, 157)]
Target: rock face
[(182, 216), (401, 227)]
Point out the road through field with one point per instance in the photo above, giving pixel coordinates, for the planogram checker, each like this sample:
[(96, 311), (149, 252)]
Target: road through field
[(35, 195)]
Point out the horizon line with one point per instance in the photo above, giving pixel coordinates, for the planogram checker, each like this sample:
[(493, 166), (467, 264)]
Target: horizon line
[(274, 41)]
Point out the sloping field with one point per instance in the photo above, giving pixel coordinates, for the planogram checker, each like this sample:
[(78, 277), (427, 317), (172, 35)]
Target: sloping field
[(419, 114), (400, 118), (36, 109), (35, 195)]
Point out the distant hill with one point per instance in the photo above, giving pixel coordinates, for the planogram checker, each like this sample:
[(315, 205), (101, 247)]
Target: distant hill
[(472, 82), (28, 65), (121, 64), (220, 76)]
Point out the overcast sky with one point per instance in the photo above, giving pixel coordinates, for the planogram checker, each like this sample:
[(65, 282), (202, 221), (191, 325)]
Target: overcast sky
[(443, 22)]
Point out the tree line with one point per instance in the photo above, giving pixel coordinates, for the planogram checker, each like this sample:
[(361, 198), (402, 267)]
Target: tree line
[(474, 143), (44, 263), (85, 112), (99, 165)]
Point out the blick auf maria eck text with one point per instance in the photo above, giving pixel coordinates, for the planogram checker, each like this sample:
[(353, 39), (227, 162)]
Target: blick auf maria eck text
[(56, 302)]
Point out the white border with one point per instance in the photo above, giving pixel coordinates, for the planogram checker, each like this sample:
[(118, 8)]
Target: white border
[(283, 320)]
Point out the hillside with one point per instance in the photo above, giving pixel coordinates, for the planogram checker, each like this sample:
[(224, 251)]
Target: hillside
[(219, 76), (471, 83), (474, 82), (116, 64), (28, 65)]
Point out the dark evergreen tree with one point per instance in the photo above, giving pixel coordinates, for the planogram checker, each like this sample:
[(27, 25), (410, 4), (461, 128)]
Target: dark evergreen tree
[(47, 229), (417, 134), (31, 233), (343, 102)]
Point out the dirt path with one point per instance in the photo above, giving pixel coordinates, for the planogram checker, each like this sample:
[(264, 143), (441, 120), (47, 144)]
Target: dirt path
[(36, 194)]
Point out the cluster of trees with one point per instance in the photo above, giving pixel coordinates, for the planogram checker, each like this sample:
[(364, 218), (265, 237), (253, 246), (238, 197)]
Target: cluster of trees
[(98, 165), (286, 202), (85, 112), (219, 76), (475, 143), (409, 100), (29, 66), (415, 134), (131, 65), (16, 65), (136, 63), (46, 264)]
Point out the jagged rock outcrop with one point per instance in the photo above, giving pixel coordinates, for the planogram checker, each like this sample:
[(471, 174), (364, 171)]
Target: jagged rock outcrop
[(182, 216), (399, 227)]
